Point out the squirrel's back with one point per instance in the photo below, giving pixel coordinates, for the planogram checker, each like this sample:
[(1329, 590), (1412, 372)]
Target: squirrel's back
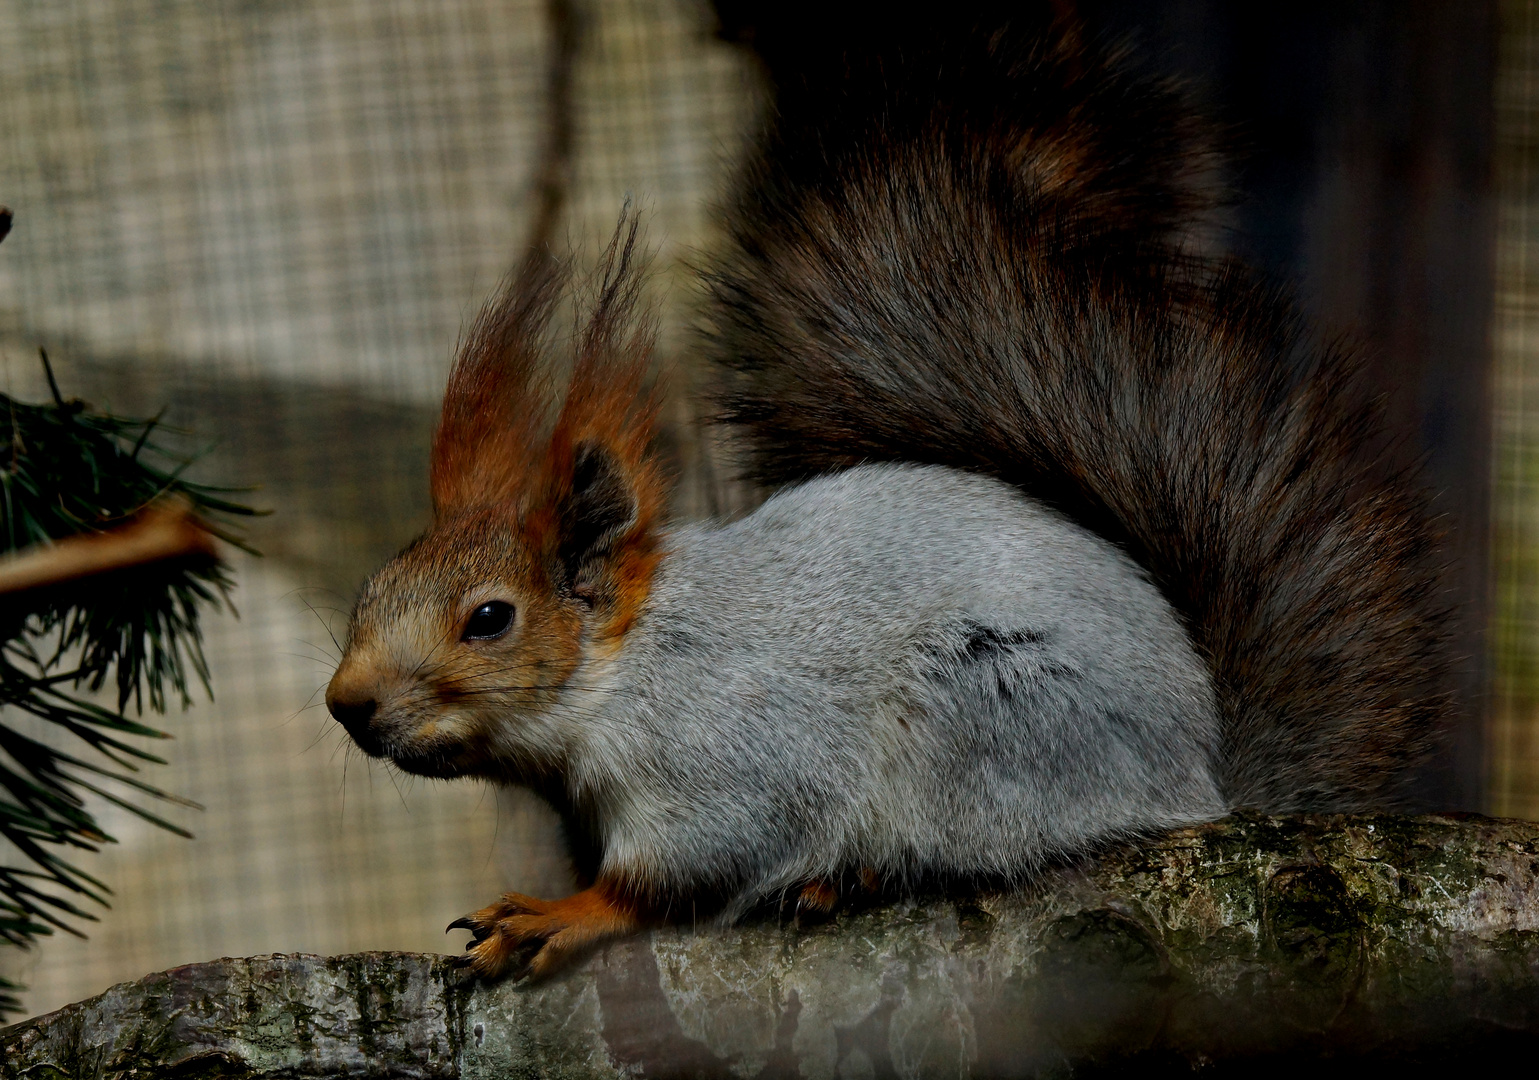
[(969, 245), (906, 668)]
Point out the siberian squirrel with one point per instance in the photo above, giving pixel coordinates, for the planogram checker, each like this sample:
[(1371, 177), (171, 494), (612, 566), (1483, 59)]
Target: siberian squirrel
[(1080, 536)]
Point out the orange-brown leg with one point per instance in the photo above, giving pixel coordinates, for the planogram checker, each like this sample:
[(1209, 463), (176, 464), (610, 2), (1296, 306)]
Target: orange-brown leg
[(820, 896), (817, 900), (522, 935)]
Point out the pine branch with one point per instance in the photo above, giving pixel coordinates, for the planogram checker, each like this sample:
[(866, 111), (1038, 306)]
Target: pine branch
[(107, 561)]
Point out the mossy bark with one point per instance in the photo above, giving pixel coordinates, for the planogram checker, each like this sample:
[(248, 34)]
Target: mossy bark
[(1231, 946)]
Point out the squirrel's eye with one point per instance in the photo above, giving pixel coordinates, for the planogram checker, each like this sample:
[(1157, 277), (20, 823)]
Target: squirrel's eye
[(490, 620)]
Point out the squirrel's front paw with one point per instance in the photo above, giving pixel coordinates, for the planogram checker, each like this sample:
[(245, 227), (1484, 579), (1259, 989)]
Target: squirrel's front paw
[(520, 935)]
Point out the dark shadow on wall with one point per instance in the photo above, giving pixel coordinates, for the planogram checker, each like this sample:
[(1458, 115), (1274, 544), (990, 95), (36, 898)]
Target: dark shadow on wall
[(342, 472)]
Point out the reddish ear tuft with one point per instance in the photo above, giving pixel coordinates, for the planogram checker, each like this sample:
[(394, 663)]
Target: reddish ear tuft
[(499, 395), (608, 405)]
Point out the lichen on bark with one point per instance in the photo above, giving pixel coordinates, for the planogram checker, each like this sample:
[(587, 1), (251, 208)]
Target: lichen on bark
[(1251, 940)]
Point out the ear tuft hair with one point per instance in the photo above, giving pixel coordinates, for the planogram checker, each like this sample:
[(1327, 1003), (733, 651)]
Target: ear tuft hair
[(488, 436)]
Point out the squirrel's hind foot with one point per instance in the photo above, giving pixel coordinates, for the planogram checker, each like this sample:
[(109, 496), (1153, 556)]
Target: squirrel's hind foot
[(821, 897), (520, 935)]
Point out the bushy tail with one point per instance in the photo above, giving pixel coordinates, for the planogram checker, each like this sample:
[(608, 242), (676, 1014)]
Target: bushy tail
[(969, 250)]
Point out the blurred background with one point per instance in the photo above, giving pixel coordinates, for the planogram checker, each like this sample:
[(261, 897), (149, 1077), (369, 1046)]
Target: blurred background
[(273, 218)]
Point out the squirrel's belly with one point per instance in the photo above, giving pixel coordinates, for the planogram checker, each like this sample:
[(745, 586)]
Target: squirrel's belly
[(911, 668)]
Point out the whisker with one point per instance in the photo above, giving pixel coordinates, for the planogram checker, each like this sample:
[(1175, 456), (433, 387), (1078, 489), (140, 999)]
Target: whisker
[(322, 649), (398, 792), (442, 642), (323, 658), (309, 704), (296, 590), (324, 624), (322, 730)]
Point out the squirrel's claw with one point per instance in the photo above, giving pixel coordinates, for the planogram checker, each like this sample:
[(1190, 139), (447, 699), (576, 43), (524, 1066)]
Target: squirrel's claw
[(520, 935), (473, 923)]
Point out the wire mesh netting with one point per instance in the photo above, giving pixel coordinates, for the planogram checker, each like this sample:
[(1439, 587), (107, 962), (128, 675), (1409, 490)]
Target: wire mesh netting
[(273, 219), (1515, 420)]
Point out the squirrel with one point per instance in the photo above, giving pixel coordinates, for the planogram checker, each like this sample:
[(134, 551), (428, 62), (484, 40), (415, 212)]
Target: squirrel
[(1079, 535)]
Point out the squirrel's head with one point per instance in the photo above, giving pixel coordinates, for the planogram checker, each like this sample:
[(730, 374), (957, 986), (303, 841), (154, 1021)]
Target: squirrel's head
[(547, 510)]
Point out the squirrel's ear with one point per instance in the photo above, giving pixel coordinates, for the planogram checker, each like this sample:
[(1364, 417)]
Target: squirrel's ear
[(600, 508), (604, 524)]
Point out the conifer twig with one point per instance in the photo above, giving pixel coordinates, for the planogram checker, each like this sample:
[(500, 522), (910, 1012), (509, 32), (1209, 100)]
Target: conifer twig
[(165, 530)]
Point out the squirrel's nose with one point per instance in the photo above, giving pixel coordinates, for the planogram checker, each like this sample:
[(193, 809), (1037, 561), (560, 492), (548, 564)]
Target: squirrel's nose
[(352, 713)]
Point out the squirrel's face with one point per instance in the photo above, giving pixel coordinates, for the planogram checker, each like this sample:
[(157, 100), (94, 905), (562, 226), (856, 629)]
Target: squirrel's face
[(461, 646), (456, 650)]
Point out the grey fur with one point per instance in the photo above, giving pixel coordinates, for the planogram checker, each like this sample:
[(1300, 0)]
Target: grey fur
[(910, 669)]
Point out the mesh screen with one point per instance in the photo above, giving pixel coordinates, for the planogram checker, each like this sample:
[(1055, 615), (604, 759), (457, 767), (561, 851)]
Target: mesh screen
[(273, 218), (1515, 420)]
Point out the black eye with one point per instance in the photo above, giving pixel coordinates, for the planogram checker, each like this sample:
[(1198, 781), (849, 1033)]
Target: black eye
[(490, 620)]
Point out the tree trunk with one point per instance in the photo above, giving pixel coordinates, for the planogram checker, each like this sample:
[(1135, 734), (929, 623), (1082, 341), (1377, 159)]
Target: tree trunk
[(1235, 946)]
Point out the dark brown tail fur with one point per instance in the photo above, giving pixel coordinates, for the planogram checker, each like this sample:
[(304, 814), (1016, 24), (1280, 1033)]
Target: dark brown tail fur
[(963, 244)]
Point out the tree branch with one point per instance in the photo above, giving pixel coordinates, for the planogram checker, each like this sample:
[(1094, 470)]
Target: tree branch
[(1252, 941), (165, 530)]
